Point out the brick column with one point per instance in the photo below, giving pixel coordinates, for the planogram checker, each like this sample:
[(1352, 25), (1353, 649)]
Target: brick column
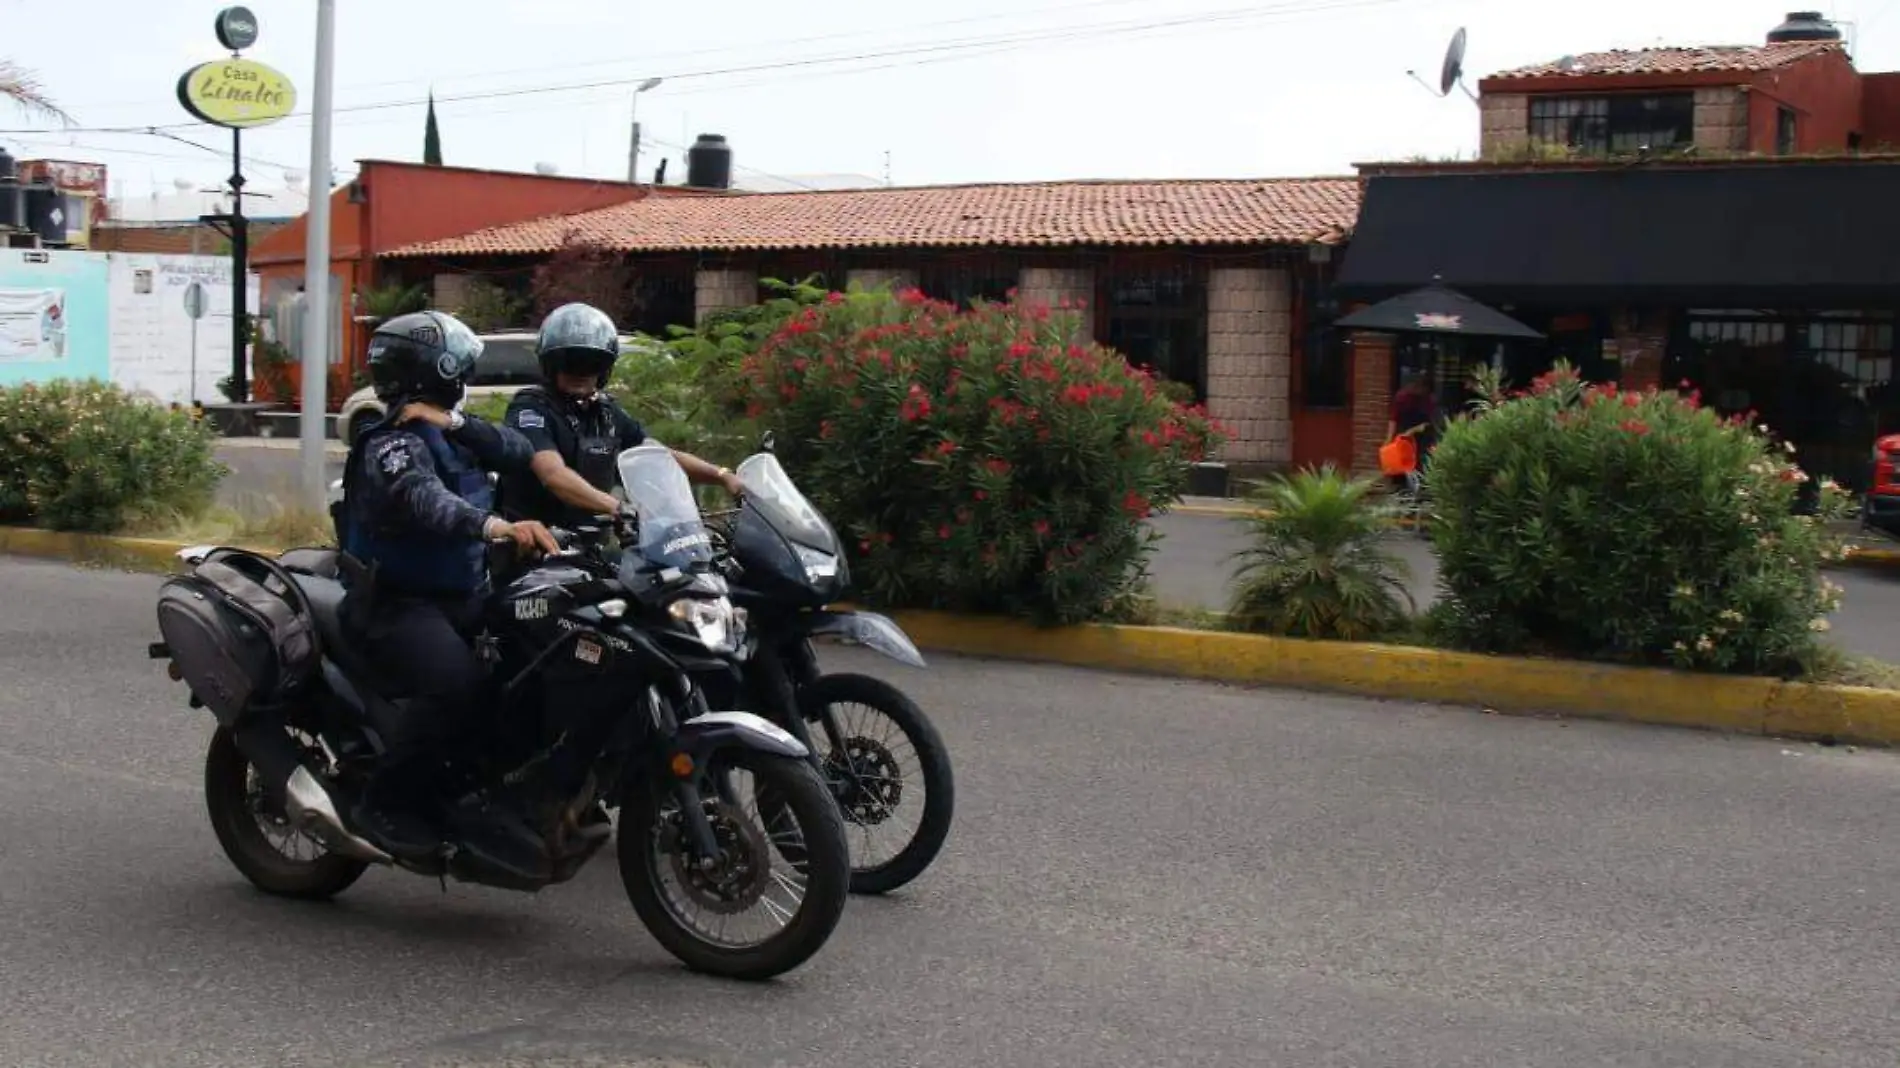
[(1250, 362), (1504, 123), (1371, 397), (1051, 286), (450, 291), (718, 290), (1721, 119), (873, 277), (1641, 338)]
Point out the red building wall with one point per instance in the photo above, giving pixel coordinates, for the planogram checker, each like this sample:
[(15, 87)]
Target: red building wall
[(1825, 93), (1880, 111)]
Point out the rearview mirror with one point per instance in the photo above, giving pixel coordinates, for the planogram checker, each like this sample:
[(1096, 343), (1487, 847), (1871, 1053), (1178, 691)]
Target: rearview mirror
[(766, 441)]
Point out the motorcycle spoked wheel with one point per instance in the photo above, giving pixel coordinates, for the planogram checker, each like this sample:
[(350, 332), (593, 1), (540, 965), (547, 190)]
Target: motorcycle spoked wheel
[(870, 802), (650, 844), (240, 807)]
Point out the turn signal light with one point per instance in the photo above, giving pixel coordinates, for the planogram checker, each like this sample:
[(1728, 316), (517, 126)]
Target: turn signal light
[(172, 670), (682, 765)]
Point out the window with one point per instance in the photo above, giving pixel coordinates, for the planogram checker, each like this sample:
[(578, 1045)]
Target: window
[(1158, 320), (1614, 125), (1323, 374), (1784, 131), (964, 286)]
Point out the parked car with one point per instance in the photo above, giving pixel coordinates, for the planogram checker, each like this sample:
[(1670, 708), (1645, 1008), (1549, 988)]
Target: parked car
[(1880, 508), (507, 363)]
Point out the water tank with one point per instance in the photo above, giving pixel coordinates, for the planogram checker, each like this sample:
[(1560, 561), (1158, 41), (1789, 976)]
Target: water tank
[(9, 167), (47, 212), (709, 163), (1804, 26)]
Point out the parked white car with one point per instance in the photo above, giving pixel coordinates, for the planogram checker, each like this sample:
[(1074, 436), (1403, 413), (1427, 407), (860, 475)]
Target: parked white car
[(507, 363)]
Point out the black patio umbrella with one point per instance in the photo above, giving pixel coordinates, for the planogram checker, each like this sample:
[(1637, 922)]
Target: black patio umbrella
[(1436, 309)]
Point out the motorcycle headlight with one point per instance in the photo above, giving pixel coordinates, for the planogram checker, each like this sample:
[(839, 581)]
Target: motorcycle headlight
[(713, 622), (817, 565)]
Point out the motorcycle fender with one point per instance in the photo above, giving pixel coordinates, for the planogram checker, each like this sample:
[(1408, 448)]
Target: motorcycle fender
[(868, 629), (708, 732)]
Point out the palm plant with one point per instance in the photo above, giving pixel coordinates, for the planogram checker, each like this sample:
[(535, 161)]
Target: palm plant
[(19, 86), (1316, 568)]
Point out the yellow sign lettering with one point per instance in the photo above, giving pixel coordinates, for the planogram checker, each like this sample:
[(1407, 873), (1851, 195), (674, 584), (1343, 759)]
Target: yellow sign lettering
[(238, 93)]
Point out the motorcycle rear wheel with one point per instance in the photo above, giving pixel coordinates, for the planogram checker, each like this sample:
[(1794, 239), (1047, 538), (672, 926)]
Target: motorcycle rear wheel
[(646, 844), (231, 801)]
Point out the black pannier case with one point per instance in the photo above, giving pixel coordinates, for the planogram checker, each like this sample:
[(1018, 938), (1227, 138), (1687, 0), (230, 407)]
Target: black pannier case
[(239, 631)]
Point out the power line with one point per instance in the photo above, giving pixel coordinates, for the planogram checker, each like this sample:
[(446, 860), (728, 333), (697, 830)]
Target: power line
[(989, 44)]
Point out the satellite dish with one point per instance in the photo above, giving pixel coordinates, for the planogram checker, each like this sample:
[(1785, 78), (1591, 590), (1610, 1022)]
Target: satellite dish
[(1454, 66), (545, 168)]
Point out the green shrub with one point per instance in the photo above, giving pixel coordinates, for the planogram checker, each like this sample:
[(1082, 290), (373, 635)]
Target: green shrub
[(86, 456), (976, 461), (1316, 567), (1642, 527)]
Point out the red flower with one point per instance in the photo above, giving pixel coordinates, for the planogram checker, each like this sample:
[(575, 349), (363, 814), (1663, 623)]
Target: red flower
[(865, 545), (1042, 528), (1021, 349), (834, 297), (996, 466), (944, 532), (824, 429), (1635, 426), (1631, 400), (946, 447), (1135, 504), (982, 495)]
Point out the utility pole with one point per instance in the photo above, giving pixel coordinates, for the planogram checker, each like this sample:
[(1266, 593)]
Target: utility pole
[(316, 265), (633, 143)]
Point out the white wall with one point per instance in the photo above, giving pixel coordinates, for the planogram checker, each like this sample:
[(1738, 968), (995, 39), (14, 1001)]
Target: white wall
[(151, 336)]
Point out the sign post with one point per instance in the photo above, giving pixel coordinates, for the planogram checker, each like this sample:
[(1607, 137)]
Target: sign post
[(318, 321), (236, 93), (194, 307)]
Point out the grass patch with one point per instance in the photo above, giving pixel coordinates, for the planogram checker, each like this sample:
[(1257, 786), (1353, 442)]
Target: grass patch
[(1843, 668), (271, 524)]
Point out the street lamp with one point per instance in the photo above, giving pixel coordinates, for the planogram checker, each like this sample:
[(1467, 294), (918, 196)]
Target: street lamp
[(633, 147)]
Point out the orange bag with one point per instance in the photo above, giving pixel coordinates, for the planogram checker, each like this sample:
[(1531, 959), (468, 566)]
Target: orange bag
[(1399, 456)]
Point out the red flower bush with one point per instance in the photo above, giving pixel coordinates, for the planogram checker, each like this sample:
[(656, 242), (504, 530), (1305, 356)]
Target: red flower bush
[(976, 461)]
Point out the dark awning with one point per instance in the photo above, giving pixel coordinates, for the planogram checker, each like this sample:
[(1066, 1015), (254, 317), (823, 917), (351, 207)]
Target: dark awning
[(1435, 309), (1749, 234)]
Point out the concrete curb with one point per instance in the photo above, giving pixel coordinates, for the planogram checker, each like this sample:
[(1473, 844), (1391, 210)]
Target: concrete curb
[(1506, 684), (1849, 714), (1877, 558)]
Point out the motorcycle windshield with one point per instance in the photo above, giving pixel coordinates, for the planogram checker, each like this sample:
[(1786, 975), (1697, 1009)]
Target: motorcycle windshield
[(769, 488), (672, 532)]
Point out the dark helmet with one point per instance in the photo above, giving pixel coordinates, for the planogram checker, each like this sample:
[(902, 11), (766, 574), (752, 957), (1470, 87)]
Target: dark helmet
[(426, 355), (577, 339)]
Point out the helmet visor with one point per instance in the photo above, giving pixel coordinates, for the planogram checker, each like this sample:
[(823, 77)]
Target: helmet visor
[(459, 349)]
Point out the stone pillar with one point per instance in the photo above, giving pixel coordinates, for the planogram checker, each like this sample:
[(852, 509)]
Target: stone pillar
[(1250, 362), (898, 278), (1371, 397), (1721, 119), (1052, 286), (1504, 123), (1641, 339), (718, 290)]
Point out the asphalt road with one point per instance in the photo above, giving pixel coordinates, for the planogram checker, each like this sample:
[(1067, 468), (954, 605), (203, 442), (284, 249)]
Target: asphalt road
[(1142, 873)]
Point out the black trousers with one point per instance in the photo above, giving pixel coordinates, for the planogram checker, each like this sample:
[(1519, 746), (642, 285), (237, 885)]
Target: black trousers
[(425, 645)]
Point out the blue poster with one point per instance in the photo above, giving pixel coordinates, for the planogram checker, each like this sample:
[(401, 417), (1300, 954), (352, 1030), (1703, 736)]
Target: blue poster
[(54, 316)]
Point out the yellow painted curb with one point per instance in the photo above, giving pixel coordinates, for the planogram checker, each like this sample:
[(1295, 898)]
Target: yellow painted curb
[(1595, 691)]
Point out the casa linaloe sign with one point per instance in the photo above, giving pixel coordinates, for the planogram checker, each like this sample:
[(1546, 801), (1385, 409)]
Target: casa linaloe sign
[(237, 93)]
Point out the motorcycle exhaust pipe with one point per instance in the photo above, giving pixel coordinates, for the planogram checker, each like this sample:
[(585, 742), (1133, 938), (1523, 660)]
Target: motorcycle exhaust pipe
[(307, 803)]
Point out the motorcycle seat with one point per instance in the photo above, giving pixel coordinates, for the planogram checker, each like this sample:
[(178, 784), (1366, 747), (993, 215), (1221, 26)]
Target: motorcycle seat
[(326, 606)]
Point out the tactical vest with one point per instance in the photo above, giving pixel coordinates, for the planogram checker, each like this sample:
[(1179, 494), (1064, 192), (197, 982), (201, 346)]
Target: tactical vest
[(407, 558), (590, 450)]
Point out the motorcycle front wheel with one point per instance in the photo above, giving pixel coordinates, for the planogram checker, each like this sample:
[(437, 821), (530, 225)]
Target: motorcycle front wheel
[(783, 880), (889, 770)]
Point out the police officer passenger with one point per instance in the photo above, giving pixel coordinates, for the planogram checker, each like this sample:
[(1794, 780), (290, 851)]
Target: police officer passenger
[(576, 429), (418, 508)]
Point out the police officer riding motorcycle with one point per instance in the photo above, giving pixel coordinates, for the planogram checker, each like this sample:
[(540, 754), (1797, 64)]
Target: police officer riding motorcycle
[(418, 510), (576, 429)]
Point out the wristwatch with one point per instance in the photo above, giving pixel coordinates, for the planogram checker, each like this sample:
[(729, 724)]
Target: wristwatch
[(456, 421)]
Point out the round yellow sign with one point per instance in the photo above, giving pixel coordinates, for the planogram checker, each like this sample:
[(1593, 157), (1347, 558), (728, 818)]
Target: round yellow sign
[(236, 92)]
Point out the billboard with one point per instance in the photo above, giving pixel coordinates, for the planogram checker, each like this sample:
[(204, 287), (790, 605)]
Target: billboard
[(151, 331), (54, 316)]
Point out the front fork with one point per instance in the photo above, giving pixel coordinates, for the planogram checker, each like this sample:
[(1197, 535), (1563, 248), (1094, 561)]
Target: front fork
[(775, 674)]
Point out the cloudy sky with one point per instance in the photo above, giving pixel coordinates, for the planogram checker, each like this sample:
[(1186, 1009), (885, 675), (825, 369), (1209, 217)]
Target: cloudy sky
[(993, 90)]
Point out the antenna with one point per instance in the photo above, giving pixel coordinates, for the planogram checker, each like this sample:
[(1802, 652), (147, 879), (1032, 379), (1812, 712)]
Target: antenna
[(1451, 72), (887, 167)]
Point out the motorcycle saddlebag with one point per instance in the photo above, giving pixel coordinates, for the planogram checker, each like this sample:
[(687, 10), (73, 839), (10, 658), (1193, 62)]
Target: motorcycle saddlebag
[(240, 632)]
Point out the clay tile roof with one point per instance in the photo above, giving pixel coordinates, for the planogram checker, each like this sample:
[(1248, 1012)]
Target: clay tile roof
[(1207, 212), (1740, 59)]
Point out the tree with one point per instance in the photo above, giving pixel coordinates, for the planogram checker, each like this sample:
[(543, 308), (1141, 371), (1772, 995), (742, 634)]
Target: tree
[(18, 85), (431, 137), (586, 271)]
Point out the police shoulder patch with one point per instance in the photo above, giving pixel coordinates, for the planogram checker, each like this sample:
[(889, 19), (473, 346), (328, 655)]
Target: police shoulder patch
[(392, 454), (529, 419)]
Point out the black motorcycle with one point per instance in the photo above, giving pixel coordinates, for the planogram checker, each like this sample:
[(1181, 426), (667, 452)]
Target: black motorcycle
[(599, 664), (882, 757)]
